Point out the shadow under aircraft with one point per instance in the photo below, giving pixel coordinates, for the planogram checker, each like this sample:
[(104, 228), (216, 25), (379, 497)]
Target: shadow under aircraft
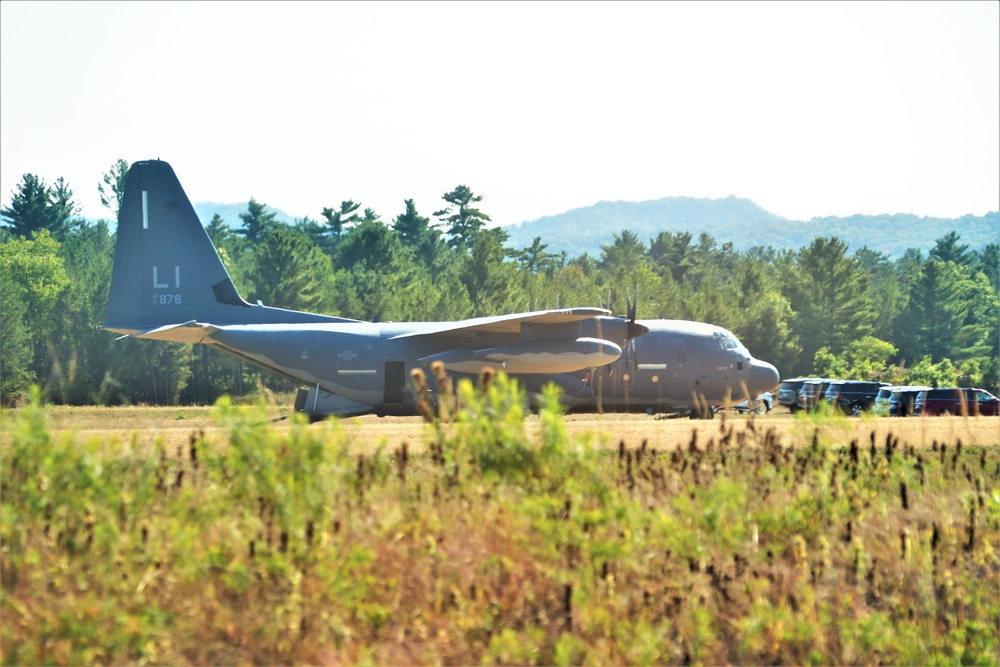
[(168, 283)]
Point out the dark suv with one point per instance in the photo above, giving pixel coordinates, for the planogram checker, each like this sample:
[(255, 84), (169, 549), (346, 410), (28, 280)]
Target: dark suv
[(853, 397), (813, 392), (788, 394), (956, 401), (901, 399)]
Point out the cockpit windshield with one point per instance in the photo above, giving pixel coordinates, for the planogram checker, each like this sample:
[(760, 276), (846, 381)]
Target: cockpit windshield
[(726, 340)]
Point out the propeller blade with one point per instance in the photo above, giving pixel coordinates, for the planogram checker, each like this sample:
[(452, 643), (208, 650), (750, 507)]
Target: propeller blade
[(630, 349), (634, 330)]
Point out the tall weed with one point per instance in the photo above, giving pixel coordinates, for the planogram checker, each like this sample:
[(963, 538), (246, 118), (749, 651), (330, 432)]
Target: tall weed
[(283, 545)]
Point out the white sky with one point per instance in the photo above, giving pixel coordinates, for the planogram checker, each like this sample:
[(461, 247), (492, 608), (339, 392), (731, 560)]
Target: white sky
[(809, 109)]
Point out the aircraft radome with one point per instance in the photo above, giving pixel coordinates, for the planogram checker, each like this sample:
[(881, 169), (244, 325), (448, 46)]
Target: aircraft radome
[(168, 283)]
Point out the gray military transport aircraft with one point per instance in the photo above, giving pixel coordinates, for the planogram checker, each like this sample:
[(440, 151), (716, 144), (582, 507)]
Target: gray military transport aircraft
[(168, 283)]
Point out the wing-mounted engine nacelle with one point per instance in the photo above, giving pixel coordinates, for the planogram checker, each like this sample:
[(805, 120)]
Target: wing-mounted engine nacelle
[(615, 329), (549, 355)]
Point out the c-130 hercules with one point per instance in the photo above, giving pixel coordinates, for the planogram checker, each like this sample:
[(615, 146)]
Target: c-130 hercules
[(168, 283)]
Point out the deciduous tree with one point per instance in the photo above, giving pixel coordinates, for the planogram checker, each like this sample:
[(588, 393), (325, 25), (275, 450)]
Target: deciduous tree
[(16, 352), (39, 277)]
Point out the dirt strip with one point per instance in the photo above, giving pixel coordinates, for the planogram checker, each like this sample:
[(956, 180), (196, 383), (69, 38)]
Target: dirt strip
[(174, 427)]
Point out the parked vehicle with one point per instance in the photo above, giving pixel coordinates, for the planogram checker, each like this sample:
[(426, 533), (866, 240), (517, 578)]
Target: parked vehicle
[(853, 397), (812, 392), (788, 393), (761, 405), (881, 406), (956, 401), (902, 399)]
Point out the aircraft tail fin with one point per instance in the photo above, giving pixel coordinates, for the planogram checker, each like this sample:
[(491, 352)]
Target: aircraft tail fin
[(166, 270)]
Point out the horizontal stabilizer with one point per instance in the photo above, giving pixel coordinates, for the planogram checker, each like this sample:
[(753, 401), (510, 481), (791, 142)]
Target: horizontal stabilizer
[(185, 332)]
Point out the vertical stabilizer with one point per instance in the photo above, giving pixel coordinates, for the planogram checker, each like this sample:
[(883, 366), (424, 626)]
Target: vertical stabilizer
[(166, 269)]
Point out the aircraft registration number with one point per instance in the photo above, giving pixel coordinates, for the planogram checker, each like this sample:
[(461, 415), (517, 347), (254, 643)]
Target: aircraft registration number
[(166, 299)]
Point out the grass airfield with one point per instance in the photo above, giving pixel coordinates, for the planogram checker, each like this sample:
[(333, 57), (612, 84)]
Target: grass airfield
[(212, 536), (175, 425)]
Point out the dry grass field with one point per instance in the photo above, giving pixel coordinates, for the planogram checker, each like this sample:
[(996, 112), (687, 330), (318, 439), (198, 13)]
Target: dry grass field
[(175, 425)]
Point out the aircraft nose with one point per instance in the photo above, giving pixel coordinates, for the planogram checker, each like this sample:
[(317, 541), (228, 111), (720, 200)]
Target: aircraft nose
[(763, 377)]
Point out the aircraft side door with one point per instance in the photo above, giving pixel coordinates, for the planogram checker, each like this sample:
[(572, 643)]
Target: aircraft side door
[(395, 383)]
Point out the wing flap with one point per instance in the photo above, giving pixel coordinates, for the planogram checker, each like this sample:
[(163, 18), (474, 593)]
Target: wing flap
[(505, 323)]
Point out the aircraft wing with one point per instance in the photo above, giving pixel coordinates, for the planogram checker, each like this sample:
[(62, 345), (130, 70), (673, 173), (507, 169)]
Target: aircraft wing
[(504, 323)]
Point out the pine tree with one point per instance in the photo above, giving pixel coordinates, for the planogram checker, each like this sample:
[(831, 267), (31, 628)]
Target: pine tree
[(290, 271), (464, 220), (114, 179), (35, 206), (256, 221), (534, 259), (416, 232), (828, 293)]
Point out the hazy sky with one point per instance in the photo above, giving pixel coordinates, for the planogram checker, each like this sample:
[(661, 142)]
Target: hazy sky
[(809, 109)]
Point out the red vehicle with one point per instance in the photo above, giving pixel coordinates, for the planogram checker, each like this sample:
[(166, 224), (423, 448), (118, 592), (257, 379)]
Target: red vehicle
[(956, 401)]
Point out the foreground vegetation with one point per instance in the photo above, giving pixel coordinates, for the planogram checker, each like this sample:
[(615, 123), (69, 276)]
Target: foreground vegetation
[(284, 546)]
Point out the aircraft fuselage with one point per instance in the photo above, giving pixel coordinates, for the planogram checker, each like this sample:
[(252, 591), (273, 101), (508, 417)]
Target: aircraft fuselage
[(370, 364)]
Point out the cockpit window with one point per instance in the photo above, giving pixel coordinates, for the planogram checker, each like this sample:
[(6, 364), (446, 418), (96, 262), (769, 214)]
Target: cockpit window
[(725, 340)]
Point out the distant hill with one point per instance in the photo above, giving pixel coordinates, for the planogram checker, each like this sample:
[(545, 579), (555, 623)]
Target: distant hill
[(230, 213), (745, 225), (735, 220)]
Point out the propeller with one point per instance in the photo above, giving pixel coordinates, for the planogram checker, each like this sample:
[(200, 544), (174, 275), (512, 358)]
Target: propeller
[(628, 361), (633, 331)]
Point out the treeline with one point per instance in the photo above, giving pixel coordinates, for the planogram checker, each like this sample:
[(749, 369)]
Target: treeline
[(820, 310)]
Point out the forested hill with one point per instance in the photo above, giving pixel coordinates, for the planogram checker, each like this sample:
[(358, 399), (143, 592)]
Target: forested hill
[(735, 220), (745, 225), (230, 213)]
